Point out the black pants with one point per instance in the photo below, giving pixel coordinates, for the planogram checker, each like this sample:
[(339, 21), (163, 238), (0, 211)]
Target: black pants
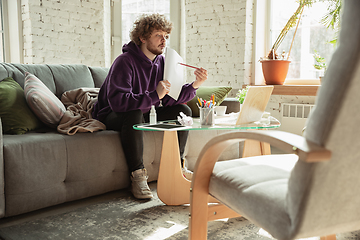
[(132, 140)]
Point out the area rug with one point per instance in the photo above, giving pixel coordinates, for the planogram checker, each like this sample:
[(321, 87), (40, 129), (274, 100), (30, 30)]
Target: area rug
[(128, 218)]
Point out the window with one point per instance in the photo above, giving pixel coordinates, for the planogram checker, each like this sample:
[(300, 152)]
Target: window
[(2, 32), (131, 10), (125, 12), (311, 37), (11, 45)]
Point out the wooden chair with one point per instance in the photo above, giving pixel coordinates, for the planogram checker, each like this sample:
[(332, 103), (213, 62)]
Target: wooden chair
[(312, 190)]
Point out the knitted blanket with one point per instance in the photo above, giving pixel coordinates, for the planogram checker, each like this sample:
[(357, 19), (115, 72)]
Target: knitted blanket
[(79, 105)]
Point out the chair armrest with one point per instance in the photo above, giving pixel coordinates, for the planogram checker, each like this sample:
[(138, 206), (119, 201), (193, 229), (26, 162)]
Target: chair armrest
[(288, 142), (291, 143)]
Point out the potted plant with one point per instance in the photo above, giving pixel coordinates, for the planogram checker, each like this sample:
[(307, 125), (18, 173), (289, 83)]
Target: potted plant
[(241, 94), (330, 20), (320, 64), (275, 67)]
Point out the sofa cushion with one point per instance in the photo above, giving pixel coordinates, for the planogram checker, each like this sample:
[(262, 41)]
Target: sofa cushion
[(69, 77), (96, 164), (16, 116), (17, 72), (99, 74), (35, 166), (46, 106), (3, 73), (232, 105), (205, 93)]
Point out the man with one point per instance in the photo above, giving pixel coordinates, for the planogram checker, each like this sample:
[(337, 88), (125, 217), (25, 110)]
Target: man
[(134, 83)]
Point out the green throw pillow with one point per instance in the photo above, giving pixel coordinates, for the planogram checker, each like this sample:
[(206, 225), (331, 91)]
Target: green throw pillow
[(15, 114), (205, 93)]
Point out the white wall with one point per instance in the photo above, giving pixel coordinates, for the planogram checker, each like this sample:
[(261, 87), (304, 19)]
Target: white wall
[(219, 38), (275, 103), (218, 35), (64, 31)]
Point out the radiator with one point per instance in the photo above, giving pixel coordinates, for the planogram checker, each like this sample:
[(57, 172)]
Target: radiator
[(294, 116)]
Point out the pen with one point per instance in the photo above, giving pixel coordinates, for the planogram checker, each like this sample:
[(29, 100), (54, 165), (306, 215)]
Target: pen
[(188, 65)]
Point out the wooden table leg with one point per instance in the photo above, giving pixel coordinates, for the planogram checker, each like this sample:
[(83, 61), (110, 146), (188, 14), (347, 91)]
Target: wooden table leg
[(255, 148), (265, 148), (172, 187)]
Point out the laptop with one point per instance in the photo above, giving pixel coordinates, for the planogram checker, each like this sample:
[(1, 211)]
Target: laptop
[(252, 109)]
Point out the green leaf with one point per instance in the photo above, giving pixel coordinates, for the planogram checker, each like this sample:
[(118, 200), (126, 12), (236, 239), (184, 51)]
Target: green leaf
[(241, 94)]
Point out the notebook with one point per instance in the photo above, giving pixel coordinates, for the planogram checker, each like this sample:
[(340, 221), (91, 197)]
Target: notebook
[(252, 109)]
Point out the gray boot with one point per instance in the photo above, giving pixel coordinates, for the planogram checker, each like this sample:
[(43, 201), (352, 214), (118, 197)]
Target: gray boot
[(139, 187)]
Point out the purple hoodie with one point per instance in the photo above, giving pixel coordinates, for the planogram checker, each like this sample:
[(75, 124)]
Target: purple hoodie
[(131, 84)]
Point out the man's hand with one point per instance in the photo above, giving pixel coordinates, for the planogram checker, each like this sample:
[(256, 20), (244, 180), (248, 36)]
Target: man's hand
[(163, 88), (201, 76)]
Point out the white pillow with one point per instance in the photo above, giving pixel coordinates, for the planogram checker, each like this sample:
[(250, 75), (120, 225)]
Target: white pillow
[(45, 105)]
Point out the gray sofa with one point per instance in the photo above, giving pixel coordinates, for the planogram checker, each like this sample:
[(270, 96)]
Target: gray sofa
[(42, 168)]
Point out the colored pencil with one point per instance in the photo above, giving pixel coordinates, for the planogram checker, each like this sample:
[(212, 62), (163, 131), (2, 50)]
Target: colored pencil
[(188, 65)]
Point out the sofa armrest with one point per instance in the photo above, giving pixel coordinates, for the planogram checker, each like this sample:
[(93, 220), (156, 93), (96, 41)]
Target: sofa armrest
[(233, 105), (2, 180)]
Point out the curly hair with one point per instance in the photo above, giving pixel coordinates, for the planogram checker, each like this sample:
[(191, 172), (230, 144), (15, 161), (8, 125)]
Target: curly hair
[(144, 26)]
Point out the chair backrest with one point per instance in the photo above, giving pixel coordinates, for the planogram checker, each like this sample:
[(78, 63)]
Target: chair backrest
[(323, 197)]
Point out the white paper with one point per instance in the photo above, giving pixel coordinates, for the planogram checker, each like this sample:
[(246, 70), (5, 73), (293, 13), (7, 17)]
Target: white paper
[(174, 72)]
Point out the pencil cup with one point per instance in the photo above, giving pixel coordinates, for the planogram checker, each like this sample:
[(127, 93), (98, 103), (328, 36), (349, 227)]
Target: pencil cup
[(207, 117)]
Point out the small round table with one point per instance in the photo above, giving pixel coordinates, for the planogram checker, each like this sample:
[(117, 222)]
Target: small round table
[(172, 187)]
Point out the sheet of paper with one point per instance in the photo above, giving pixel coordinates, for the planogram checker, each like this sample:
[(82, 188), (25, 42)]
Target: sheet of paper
[(174, 72)]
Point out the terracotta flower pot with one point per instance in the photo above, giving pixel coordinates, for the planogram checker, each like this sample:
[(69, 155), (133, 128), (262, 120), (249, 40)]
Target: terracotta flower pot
[(275, 71)]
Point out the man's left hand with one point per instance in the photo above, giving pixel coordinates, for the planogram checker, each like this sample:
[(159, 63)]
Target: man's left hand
[(201, 76)]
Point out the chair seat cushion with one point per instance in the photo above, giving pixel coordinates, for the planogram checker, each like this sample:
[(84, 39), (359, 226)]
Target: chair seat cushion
[(257, 186)]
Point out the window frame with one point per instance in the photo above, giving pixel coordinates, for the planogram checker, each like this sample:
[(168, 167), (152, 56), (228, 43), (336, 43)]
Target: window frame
[(176, 16), (12, 24), (262, 44), (261, 39)]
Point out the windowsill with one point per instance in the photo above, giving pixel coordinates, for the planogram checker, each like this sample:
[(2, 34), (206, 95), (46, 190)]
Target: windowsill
[(294, 90), (297, 87), (303, 87), (299, 90)]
